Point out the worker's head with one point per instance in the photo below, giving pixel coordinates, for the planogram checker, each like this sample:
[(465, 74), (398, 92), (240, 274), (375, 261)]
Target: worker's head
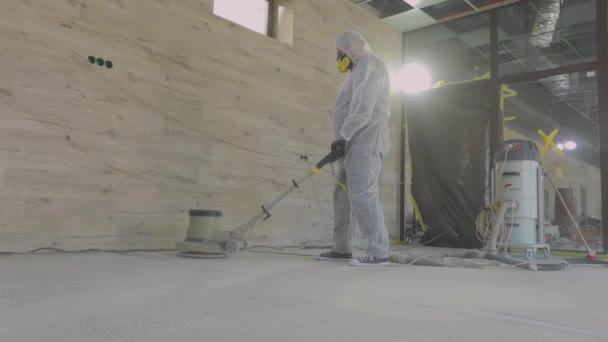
[(351, 46)]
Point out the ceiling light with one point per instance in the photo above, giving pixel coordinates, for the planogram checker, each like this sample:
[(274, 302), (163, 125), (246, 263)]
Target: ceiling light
[(570, 145), (413, 78), (560, 146)]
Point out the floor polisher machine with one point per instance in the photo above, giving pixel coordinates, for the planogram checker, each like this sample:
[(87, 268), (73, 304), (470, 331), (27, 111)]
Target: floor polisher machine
[(197, 245)]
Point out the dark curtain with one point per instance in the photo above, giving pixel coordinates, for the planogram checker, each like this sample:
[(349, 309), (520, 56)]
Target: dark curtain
[(449, 142)]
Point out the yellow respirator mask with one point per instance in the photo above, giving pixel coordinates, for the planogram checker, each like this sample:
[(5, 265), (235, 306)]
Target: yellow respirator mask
[(345, 64)]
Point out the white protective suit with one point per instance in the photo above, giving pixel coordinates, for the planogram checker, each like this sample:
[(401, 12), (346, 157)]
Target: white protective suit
[(361, 118)]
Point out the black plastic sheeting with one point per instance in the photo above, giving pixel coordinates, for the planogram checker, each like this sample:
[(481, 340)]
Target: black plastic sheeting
[(449, 143)]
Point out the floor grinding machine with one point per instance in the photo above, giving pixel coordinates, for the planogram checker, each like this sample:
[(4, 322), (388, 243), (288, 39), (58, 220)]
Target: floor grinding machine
[(203, 241)]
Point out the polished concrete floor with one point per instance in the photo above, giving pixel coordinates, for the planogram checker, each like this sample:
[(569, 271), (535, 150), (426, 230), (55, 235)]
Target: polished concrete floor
[(267, 297)]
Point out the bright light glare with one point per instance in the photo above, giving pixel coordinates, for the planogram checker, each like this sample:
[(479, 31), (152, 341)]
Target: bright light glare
[(253, 14), (413, 78), (570, 145), (560, 146)]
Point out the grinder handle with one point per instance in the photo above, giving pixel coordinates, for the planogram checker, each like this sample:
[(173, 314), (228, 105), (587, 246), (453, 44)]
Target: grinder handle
[(330, 158)]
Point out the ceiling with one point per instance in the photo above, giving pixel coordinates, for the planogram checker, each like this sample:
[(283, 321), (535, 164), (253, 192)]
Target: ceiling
[(408, 15)]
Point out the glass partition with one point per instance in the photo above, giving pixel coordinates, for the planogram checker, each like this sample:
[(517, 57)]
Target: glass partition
[(540, 35), (567, 105), (455, 51)]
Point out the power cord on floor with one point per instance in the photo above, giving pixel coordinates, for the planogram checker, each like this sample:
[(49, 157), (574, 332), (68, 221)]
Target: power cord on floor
[(590, 265), (280, 248), (431, 240), (91, 250), (283, 253), (439, 261)]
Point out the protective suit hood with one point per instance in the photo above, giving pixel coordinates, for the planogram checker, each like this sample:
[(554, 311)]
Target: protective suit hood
[(353, 45)]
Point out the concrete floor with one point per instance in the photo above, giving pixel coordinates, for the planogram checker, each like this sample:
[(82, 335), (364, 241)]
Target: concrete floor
[(264, 297)]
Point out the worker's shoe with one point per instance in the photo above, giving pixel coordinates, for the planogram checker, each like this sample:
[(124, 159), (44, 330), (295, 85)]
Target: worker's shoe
[(369, 260), (331, 255)]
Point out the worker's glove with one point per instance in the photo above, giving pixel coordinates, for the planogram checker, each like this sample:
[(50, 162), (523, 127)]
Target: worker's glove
[(338, 147)]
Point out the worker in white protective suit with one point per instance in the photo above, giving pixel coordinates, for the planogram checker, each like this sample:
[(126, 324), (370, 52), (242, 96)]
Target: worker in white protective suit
[(361, 129)]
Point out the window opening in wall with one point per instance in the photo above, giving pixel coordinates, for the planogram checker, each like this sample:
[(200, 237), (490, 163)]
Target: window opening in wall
[(272, 18), (252, 14)]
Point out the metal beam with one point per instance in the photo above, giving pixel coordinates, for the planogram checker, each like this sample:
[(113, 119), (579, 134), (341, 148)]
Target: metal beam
[(535, 75), (602, 83), (402, 153), (463, 13), (473, 6), (496, 117), (493, 45)]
